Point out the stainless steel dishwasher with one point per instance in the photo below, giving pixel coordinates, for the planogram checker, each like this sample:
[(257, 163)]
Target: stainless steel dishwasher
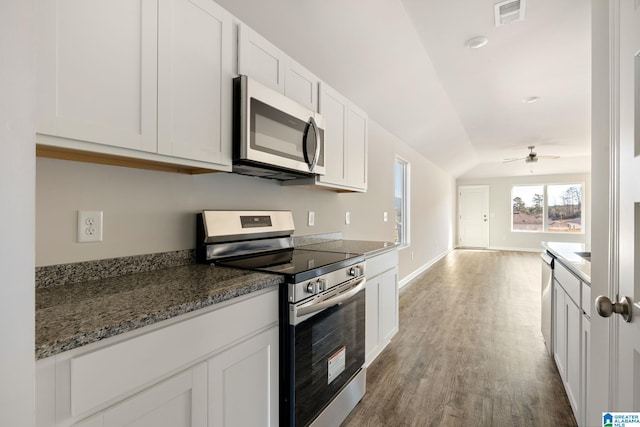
[(546, 318)]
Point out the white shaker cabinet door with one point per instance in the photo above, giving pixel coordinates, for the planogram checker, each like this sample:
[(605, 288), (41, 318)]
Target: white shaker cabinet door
[(260, 60), (97, 64), (243, 383), (388, 305), (333, 108), (180, 401), (194, 80), (301, 85), (357, 148)]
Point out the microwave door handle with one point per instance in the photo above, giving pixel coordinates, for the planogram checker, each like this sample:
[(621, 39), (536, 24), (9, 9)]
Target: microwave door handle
[(316, 155)]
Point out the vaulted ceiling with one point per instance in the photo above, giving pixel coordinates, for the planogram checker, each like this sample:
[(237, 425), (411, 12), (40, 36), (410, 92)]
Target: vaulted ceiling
[(405, 63)]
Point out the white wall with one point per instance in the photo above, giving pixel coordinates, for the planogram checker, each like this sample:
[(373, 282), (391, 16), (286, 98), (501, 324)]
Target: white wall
[(500, 208), (150, 211), (17, 187)]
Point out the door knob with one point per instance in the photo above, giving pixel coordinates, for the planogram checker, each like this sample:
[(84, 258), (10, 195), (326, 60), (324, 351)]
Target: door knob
[(605, 308)]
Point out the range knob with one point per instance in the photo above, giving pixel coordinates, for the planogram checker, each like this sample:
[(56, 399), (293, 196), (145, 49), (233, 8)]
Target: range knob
[(355, 271), (322, 285), (311, 288)]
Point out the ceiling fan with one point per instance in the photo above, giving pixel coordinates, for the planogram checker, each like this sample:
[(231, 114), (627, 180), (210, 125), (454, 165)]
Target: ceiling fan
[(532, 157)]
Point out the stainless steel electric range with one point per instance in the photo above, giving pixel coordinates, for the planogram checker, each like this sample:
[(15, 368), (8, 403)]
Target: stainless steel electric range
[(322, 310)]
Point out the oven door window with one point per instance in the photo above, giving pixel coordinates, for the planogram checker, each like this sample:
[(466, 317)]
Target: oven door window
[(328, 351)]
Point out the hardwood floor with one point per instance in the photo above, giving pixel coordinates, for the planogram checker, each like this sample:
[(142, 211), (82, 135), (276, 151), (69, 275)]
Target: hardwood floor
[(469, 351)]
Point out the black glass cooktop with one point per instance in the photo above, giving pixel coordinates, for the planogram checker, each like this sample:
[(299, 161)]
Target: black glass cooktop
[(296, 265)]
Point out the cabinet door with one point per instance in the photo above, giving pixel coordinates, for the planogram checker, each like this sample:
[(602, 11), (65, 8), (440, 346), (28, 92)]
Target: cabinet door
[(243, 383), (301, 85), (333, 108), (388, 305), (357, 148), (586, 366), (260, 60), (574, 350), (96, 83), (194, 80), (372, 321), (560, 330), (180, 401)]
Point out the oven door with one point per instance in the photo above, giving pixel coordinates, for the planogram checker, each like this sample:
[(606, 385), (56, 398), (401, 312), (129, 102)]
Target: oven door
[(275, 130), (326, 348)]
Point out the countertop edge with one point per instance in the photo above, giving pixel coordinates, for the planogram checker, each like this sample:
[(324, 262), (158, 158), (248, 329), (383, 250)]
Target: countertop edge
[(565, 257)]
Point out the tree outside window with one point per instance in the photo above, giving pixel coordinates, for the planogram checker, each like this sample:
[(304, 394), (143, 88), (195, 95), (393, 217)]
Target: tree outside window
[(559, 211)]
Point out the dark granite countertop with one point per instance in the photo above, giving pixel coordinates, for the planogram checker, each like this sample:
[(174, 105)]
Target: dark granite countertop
[(566, 253), (365, 247), (71, 315)]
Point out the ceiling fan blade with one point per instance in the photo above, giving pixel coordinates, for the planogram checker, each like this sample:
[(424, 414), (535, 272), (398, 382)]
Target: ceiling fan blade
[(513, 159), (548, 157)]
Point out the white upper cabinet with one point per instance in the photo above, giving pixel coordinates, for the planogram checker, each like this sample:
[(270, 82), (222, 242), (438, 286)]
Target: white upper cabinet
[(264, 62), (142, 79), (301, 85), (260, 59), (345, 142), (194, 80), (334, 107), (97, 79), (357, 148)]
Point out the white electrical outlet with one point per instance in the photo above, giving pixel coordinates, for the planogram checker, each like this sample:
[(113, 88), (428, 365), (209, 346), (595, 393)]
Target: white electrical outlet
[(347, 218), (312, 218), (385, 216), (89, 226)]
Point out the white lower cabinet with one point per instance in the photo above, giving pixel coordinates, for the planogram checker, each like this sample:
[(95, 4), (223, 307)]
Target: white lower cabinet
[(381, 303), (571, 336), (218, 368)]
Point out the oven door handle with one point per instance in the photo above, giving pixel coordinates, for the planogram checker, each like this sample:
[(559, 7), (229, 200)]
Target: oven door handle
[(314, 308)]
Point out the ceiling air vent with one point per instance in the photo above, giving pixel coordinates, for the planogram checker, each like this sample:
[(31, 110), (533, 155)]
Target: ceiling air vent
[(509, 11)]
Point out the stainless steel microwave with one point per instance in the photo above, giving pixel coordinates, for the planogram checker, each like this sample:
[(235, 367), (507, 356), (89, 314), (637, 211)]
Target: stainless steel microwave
[(274, 136)]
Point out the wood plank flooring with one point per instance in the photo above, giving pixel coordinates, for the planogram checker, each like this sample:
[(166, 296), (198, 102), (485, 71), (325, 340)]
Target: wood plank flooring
[(469, 351)]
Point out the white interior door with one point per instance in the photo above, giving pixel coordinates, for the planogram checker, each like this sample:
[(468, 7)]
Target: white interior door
[(624, 369), (473, 216), (628, 336)]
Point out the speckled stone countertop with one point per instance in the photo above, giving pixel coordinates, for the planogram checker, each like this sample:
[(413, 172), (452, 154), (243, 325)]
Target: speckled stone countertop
[(566, 253), (365, 247), (75, 314)]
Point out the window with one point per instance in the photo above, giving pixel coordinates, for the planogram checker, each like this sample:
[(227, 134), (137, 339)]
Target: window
[(401, 201), (528, 204), (564, 209), (547, 208)]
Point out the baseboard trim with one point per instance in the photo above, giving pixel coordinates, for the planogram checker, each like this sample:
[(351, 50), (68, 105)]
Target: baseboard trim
[(508, 248), (405, 281)]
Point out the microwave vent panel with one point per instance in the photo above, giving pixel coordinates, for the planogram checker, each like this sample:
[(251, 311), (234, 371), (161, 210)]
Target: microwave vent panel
[(509, 11)]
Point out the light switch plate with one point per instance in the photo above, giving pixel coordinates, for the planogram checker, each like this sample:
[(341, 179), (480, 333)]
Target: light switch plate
[(385, 216), (347, 218), (312, 218)]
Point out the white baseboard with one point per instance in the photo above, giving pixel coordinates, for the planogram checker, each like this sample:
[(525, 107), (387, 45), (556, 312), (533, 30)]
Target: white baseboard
[(509, 248), (502, 248), (421, 269)]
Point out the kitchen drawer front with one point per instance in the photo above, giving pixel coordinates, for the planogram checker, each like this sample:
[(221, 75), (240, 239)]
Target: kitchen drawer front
[(103, 375), (586, 299), (380, 263), (570, 283)]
